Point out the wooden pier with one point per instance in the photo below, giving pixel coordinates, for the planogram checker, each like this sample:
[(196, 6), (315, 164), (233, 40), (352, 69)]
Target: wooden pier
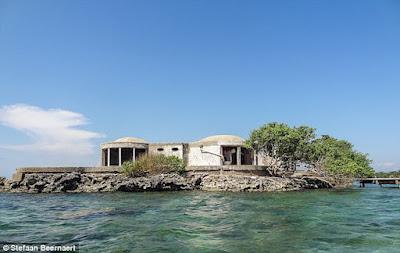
[(380, 181)]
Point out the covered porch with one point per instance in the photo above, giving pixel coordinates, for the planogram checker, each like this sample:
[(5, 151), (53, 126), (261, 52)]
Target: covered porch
[(122, 150), (117, 156)]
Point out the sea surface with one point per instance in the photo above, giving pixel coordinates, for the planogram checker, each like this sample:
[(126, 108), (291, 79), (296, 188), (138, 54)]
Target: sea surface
[(351, 220)]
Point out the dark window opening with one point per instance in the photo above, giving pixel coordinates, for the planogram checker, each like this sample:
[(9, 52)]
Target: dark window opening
[(126, 154), (114, 156), (247, 156), (175, 149), (139, 152), (160, 149)]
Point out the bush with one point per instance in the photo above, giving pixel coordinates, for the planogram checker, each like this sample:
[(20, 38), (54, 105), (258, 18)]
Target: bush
[(286, 147), (153, 164), (133, 169), (175, 164)]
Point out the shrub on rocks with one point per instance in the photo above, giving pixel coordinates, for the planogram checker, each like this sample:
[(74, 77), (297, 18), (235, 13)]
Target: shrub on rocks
[(153, 164)]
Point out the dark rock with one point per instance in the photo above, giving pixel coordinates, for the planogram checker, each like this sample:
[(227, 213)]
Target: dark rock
[(162, 182), (232, 182), (2, 184), (70, 182), (31, 181), (2, 181), (40, 186), (14, 185), (109, 182), (317, 182)]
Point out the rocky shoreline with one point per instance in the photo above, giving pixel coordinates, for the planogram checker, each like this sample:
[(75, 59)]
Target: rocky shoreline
[(112, 182)]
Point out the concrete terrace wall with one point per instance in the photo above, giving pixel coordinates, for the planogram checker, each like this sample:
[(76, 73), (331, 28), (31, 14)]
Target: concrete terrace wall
[(19, 173), (240, 169)]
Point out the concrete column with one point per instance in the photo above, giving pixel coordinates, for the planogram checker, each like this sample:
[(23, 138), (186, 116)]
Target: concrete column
[(221, 151), (133, 154), (239, 155), (119, 157), (108, 156), (103, 158)]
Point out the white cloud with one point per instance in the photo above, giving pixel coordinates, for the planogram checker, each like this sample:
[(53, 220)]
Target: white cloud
[(52, 130)]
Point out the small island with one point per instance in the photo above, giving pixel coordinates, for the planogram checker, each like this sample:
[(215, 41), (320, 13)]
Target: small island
[(275, 157)]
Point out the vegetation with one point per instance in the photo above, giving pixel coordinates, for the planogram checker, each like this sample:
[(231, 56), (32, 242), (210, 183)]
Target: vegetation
[(284, 147), (339, 157), (153, 164), (392, 174)]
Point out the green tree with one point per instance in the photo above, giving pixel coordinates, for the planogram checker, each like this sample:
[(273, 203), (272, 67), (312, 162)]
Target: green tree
[(281, 145), (338, 157)]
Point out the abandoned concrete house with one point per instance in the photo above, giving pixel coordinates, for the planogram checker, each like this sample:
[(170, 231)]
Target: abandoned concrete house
[(216, 153), (217, 150)]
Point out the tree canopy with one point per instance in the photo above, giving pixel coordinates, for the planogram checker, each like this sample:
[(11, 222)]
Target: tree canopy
[(339, 157), (286, 147)]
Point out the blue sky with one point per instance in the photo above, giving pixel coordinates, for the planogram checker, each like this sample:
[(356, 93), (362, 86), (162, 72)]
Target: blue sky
[(86, 72)]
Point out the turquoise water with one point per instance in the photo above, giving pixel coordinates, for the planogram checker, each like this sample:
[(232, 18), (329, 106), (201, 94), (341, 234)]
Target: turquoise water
[(352, 220)]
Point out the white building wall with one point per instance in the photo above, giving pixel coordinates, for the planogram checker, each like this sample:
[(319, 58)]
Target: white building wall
[(209, 157), (174, 149)]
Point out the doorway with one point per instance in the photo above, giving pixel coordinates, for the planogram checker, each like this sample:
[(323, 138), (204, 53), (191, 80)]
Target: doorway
[(230, 155)]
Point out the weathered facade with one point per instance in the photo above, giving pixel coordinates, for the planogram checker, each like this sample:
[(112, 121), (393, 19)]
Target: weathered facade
[(217, 150)]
